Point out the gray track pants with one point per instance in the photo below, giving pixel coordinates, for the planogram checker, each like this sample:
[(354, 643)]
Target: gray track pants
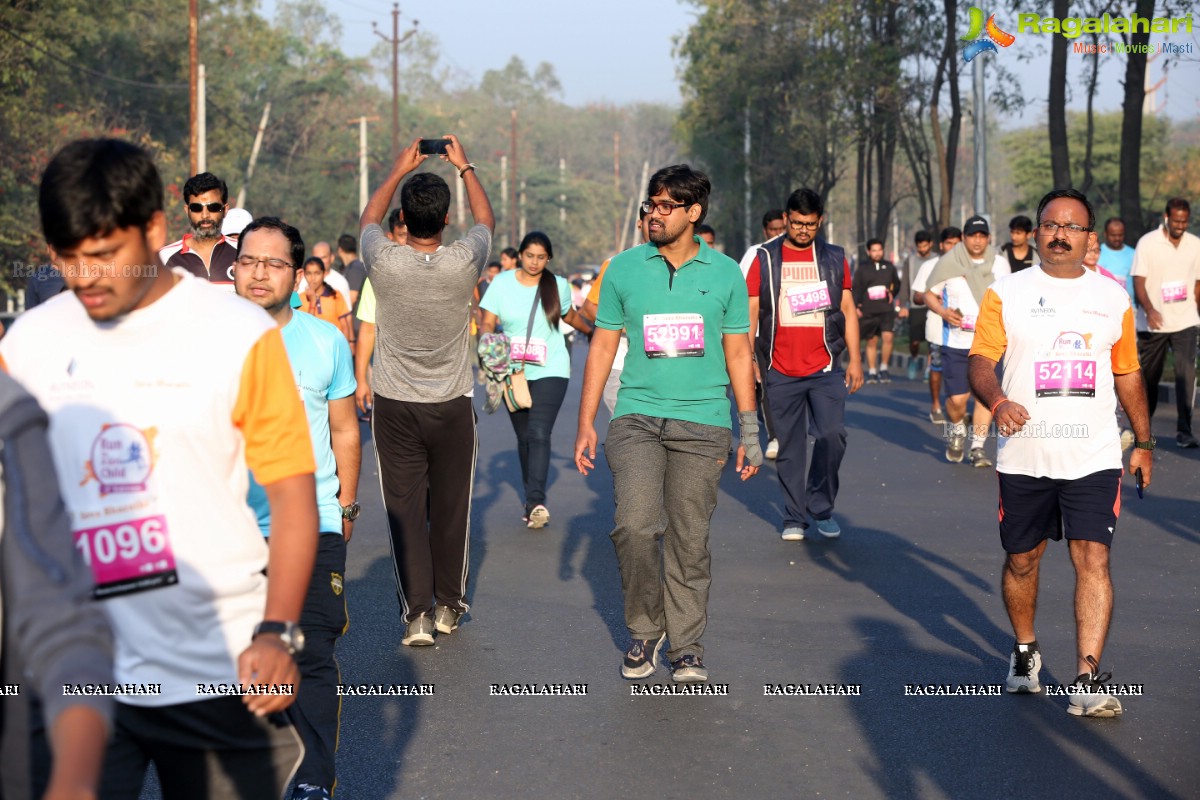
[(665, 465)]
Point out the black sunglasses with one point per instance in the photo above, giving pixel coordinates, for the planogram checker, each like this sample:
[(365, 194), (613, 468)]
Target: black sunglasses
[(197, 208)]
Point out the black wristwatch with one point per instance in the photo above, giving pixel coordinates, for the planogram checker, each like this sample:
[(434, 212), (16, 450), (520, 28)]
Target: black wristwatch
[(288, 632), (1149, 444), (350, 512)]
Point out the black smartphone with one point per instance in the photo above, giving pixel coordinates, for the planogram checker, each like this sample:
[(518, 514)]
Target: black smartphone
[(434, 147)]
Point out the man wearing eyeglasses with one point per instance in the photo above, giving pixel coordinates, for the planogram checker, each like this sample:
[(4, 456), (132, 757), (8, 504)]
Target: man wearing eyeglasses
[(956, 288), (803, 312), (1065, 336), (683, 306), (264, 274), (205, 252)]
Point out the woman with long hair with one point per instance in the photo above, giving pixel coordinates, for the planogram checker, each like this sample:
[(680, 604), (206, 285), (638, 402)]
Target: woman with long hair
[(322, 301), (532, 290)]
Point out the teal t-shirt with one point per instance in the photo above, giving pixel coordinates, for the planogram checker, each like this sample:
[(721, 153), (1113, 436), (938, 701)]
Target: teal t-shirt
[(1119, 263), (511, 302), (676, 363), (324, 371)]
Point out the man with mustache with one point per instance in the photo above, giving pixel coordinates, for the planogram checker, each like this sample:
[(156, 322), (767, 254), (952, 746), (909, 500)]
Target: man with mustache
[(1065, 336), (205, 252)]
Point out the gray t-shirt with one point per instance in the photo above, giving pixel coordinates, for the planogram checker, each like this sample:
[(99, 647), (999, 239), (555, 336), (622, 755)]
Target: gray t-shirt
[(422, 317)]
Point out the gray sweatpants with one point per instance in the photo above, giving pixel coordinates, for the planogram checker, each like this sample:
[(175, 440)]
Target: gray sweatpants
[(665, 465)]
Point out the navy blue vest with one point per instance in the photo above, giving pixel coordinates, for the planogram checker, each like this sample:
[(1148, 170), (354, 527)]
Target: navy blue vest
[(831, 266)]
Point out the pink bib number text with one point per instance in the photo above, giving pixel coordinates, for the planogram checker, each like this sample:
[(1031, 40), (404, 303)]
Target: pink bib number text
[(809, 298), (128, 557), (1065, 378)]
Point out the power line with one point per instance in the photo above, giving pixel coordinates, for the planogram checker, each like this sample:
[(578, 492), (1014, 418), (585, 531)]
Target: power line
[(89, 71)]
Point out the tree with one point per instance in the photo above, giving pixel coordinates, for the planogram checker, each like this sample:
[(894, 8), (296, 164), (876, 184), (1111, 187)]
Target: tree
[(1060, 157)]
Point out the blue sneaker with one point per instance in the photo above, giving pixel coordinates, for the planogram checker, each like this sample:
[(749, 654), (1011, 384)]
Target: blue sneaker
[(828, 528)]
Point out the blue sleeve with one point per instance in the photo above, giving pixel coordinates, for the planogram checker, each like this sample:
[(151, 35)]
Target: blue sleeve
[(493, 298), (564, 295), (342, 383)]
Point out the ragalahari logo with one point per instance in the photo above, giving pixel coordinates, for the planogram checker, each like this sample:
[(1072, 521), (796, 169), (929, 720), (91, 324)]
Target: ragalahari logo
[(983, 38)]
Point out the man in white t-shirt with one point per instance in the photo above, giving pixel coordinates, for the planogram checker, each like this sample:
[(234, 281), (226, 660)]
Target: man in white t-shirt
[(153, 432), (956, 288), (1166, 281), (1065, 337), (949, 238)]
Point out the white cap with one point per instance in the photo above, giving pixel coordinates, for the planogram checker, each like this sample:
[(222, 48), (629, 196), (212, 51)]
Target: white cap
[(236, 219)]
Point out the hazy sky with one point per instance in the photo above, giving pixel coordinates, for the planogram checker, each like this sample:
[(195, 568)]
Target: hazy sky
[(620, 50)]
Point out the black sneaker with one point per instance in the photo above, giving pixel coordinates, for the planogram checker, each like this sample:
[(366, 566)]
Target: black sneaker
[(885, 376), (307, 791), (641, 658), (1088, 697), (689, 669)]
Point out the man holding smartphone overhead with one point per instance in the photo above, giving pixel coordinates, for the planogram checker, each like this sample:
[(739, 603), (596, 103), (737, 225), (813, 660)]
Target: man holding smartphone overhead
[(423, 421)]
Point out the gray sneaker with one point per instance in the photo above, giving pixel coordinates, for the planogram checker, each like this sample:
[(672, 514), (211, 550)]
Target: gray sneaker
[(1088, 697), (419, 632), (641, 658), (1023, 668), (979, 458), (955, 450), (937, 416), (445, 619), (689, 669), (792, 533)]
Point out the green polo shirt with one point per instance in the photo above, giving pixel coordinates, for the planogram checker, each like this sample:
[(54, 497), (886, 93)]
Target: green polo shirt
[(676, 363)]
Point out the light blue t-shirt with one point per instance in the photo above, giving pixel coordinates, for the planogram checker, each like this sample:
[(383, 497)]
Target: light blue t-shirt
[(1119, 263), (324, 371), (511, 302)]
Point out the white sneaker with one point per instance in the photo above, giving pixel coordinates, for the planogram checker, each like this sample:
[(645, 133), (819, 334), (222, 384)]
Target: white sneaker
[(793, 533), (772, 451), (539, 517), (1088, 695), (1023, 669)]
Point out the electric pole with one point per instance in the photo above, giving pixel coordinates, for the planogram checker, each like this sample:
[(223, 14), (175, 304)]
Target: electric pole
[(395, 40), (363, 190), (512, 223)]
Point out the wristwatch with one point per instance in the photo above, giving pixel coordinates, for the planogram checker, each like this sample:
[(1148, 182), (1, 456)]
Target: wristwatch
[(1149, 444), (350, 512), (288, 632)]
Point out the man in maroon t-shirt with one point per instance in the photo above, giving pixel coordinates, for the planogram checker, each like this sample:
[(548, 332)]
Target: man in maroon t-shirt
[(800, 294)]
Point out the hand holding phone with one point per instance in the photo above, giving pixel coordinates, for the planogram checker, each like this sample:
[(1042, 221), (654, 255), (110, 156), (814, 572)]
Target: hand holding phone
[(434, 147)]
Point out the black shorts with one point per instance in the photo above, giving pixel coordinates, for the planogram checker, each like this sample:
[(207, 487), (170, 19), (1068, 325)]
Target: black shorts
[(870, 325), (954, 371), (935, 357), (211, 749), (1035, 509), (916, 323)]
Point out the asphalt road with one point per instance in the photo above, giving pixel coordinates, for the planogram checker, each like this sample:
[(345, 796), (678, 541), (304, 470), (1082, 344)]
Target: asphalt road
[(908, 596)]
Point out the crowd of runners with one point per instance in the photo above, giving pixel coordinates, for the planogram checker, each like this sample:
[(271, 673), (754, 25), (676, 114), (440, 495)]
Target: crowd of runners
[(176, 524)]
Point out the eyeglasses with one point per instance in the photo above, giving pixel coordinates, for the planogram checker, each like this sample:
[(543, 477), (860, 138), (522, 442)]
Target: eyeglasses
[(808, 226), (664, 208), (1052, 228), (252, 262), (197, 208)]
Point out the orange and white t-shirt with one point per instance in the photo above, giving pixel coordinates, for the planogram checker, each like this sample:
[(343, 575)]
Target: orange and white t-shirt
[(152, 429), (1061, 341)]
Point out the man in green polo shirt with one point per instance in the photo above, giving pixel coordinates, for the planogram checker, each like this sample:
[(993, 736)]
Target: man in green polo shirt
[(686, 311)]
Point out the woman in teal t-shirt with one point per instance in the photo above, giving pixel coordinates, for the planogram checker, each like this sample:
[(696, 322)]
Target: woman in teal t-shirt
[(531, 289)]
